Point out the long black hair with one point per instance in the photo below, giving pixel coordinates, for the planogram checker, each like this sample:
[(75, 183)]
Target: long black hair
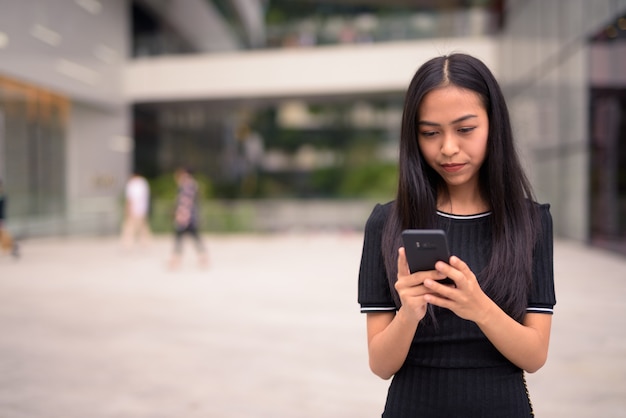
[(502, 183)]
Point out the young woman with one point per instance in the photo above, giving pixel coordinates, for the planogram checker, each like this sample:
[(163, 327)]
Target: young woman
[(459, 350)]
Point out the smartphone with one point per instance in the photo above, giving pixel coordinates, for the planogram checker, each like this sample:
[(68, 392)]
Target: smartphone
[(424, 247)]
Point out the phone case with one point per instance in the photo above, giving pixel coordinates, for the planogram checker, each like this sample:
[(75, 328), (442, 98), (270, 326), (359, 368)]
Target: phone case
[(424, 247)]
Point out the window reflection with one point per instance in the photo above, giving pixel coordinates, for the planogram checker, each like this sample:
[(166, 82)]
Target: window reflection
[(34, 123), (289, 149), (302, 23)]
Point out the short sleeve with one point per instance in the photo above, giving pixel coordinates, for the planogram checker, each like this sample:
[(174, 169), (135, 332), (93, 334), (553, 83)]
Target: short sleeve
[(542, 296), (374, 293)]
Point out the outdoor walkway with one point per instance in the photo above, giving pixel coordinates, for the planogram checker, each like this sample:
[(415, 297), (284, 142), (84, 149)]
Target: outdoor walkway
[(272, 329)]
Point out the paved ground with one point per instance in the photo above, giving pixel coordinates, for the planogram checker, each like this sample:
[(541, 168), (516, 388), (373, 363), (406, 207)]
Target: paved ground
[(271, 329)]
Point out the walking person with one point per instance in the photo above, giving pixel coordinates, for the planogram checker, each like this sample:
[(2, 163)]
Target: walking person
[(186, 217), (8, 244), (135, 228), (459, 350)]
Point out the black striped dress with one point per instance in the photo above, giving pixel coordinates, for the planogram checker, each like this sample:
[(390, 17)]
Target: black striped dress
[(452, 369)]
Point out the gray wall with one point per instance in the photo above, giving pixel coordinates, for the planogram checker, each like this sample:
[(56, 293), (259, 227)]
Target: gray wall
[(545, 74), (59, 45), (99, 157)]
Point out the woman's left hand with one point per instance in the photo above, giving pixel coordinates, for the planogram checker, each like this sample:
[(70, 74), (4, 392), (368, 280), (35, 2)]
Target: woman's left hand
[(466, 299)]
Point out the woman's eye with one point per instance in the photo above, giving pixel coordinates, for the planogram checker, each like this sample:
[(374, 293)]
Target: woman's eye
[(467, 129), (428, 133)]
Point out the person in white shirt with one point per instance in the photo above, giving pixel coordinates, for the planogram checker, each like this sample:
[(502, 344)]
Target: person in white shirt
[(135, 228)]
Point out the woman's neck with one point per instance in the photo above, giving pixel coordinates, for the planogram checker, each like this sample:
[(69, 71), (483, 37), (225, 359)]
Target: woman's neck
[(462, 202)]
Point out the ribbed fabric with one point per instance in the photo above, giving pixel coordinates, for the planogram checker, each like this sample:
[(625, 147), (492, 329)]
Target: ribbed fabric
[(374, 289), (424, 392), (452, 369)]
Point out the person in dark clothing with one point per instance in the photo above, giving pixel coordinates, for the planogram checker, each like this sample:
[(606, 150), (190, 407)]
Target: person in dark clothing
[(186, 217), (459, 350), (7, 242)]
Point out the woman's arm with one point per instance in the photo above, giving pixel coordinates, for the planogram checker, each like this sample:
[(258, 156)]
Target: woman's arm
[(389, 337), (389, 334), (525, 344)]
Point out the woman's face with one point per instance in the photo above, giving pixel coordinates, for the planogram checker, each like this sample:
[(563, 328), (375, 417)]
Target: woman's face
[(453, 128)]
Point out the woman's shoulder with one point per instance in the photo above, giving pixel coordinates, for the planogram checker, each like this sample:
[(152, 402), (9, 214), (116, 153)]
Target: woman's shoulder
[(539, 207), (379, 215), (542, 208), (543, 212), (381, 211)]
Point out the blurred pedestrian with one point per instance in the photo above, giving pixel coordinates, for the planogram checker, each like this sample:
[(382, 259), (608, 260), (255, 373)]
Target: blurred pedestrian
[(7, 243), (186, 217), (135, 228), (459, 350)]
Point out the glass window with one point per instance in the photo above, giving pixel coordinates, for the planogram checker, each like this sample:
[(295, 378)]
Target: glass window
[(306, 23), (291, 149), (33, 122)]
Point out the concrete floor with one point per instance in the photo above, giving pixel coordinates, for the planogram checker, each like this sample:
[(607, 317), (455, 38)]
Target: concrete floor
[(271, 329)]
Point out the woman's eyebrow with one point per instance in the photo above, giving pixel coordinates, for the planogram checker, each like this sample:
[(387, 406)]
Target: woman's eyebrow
[(461, 119)]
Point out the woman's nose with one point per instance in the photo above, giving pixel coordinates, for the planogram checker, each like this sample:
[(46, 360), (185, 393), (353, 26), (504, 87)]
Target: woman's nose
[(450, 145)]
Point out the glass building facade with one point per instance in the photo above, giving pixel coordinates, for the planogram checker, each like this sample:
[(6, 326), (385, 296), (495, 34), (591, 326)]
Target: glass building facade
[(64, 145), (250, 25), (33, 124), (562, 68), (340, 146), (607, 147), (71, 131)]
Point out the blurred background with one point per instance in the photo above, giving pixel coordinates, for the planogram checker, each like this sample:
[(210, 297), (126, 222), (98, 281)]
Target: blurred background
[(292, 107), (288, 112)]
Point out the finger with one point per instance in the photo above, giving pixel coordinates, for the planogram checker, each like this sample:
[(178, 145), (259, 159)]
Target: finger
[(403, 267), (463, 271), (454, 267), (446, 270), (444, 290), (460, 265), (416, 290), (435, 300)]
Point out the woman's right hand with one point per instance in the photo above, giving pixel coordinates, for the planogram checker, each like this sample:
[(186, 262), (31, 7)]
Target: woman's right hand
[(411, 289), (390, 334)]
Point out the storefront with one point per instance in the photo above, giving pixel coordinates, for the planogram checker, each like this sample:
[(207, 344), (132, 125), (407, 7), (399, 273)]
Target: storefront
[(33, 149)]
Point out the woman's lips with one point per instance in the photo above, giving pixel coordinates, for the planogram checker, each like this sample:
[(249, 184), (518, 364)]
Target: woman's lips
[(452, 168)]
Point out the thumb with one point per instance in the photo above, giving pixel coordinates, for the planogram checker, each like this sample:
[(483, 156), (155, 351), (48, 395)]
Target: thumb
[(403, 267)]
